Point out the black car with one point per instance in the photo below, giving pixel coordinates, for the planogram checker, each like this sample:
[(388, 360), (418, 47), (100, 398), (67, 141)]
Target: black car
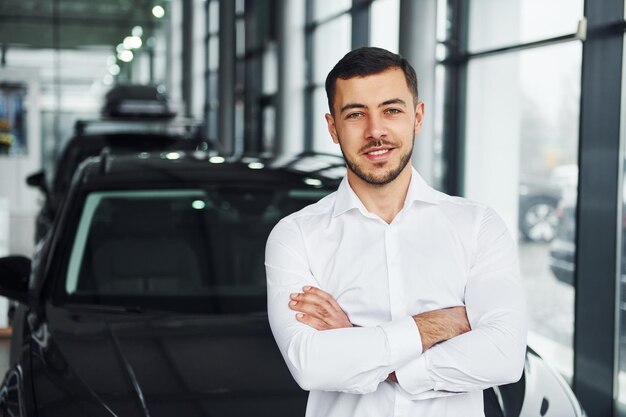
[(135, 118), (148, 296), (563, 247)]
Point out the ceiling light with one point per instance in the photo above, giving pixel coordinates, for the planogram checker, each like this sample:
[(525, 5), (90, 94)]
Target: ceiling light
[(137, 31), (158, 11), (125, 56), (132, 42), (114, 69)]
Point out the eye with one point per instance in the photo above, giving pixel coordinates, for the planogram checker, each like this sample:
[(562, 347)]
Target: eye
[(355, 115), (393, 111)]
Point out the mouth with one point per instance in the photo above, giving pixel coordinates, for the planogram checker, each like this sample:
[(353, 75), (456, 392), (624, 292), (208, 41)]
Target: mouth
[(378, 154)]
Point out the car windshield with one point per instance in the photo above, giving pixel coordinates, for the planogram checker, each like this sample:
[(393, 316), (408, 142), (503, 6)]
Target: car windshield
[(156, 247)]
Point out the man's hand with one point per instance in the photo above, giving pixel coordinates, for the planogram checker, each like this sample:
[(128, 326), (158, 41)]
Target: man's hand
[(318, 309), (440, 325), (321, 311)]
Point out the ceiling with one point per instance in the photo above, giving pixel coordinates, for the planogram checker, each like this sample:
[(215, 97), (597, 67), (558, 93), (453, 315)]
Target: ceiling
[(80, 23)]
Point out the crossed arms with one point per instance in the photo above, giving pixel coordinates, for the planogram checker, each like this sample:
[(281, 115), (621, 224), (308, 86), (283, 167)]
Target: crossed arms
[(430, 354), (319, 310)]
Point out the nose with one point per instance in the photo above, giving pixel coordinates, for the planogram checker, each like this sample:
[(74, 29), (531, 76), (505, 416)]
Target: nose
[(376, 128)]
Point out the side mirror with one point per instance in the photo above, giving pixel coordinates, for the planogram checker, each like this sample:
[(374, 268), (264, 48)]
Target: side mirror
[(38, 180), (14, 275)]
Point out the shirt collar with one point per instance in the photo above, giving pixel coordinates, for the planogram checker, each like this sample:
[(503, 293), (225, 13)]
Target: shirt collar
[(418, 190)]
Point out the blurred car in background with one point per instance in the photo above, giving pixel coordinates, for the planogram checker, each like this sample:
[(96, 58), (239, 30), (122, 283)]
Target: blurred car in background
[(537, 209), (148, 296), (127, 101), (135, 118), (563, 247), (539, 197)]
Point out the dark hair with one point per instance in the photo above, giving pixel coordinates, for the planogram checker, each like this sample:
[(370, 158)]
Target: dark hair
[(366, 61)]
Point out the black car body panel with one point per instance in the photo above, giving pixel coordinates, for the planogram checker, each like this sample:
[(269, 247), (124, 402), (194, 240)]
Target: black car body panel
[(160, 364)]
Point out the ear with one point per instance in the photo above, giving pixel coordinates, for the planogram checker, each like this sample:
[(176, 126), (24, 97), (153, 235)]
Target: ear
[(332, 129), (419, 116)]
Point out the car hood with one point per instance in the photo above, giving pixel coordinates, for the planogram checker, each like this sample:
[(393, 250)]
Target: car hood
[(157, 364)]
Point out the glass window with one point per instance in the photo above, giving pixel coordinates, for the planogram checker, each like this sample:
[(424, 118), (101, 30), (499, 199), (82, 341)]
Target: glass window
[(323, 9), (214, 17), (331, 42), (240, 37), (200, 59), (214, 53), (385, 24), (154, 244), (269, 128), (498, 23), (270, 69), (322, 141), (240, 6), (522, 123)]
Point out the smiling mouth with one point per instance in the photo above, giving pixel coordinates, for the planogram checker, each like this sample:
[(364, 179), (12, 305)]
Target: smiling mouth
[(378, 152)]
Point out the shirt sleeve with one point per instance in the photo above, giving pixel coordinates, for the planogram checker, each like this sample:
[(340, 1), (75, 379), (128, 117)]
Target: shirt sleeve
[(493, 352), (353, 360)]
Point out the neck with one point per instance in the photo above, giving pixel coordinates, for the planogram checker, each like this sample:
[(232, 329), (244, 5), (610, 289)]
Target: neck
[(385, 201)]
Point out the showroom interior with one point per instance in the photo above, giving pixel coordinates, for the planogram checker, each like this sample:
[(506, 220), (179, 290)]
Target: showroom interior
[(524, 111)]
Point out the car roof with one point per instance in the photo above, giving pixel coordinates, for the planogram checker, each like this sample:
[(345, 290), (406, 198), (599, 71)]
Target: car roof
[(81, 147), (183, 167)]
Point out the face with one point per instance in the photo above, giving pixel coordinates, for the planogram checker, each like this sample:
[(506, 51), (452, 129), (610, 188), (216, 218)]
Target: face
[(375, 121)]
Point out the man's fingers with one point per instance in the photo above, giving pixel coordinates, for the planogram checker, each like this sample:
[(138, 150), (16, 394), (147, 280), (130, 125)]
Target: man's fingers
[(314, 309), (315, 305), (308, 290), (315, 298), (311, 321)]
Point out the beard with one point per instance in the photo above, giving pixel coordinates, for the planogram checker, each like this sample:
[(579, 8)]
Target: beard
[(381, 179)]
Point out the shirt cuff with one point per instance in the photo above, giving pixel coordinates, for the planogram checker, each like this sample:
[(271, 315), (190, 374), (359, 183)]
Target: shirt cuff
[(404, 341), (414, 377)]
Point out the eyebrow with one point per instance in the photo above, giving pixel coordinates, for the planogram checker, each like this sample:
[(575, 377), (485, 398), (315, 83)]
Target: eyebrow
[(350, 106)]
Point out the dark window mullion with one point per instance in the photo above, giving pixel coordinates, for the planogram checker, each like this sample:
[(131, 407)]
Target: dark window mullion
[(455, 100), (308, 95), (360, 23), (597, 240)]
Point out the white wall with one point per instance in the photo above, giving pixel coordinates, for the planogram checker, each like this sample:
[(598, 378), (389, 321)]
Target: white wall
[(22, 200), (18, 202)]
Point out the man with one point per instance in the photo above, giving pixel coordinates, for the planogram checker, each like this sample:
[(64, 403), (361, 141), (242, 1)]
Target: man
[(387, 297)]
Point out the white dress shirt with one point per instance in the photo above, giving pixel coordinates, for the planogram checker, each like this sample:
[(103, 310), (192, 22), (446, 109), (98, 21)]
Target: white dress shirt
[(439, 251)]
